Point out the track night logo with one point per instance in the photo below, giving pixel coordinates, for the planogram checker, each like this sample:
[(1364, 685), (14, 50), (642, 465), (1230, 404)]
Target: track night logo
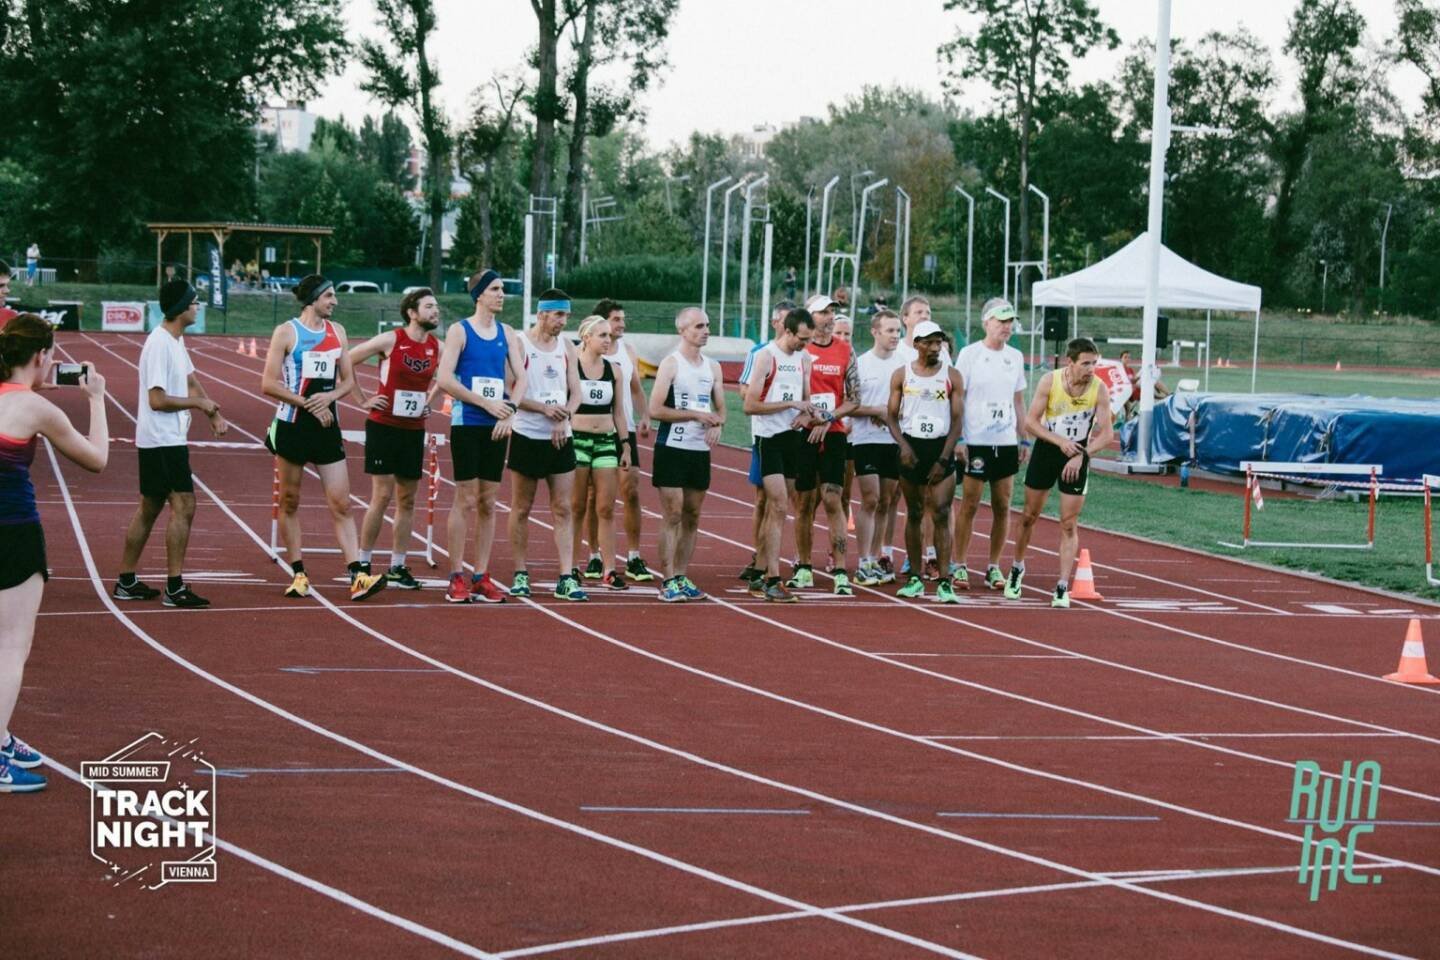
[(1331, 813), (144, 810)]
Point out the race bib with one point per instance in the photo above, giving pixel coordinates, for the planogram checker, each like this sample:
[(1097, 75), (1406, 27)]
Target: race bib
[(928, 427), (489, 388), (998, 413), (787, 394), (320, 365), (597, 392), (408, 403), (701, 402), (823, 401), (551, 398), (1072, 428)]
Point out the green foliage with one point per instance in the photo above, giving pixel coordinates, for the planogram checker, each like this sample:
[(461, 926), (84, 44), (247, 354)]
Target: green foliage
[(21, 212), (637, 277)]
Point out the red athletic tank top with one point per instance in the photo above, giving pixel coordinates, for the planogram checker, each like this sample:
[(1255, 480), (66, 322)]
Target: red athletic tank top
[(405, 377), (827, 376)]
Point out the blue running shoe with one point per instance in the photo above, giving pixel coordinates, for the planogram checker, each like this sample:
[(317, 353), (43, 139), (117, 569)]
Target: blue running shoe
[(21, 754), (692, 592), (15, 780), (671, 591)]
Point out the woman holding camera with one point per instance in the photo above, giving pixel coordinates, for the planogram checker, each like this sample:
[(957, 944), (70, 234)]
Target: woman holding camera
[(27, 346)]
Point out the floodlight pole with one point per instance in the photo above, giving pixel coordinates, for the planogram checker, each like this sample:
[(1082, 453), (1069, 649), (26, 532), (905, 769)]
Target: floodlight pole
[(725, 242), (529, 268), (1045, 256), (1384, 231), (824, 228), (1324, 282), (763, 334), (745, 250), (1159, 143), (902, 242), (1005, 275), (854, 212), (969, 254), (705, 250), (860, 237), (584, 217), (805, 282), (905, 270)]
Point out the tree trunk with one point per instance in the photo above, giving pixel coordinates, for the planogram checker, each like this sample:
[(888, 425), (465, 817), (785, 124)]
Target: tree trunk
[(487, 235), (437, 187), (436, 193), (547, 111), (570, 232)]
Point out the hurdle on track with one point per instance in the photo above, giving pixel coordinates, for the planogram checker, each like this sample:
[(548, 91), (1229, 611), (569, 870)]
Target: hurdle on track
[(1430, 481), (433, 442), (1311, 473)]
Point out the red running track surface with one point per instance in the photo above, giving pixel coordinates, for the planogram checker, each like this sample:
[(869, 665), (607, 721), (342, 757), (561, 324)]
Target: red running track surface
[(882, 778)]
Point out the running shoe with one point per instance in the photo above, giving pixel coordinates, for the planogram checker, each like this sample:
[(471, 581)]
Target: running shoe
[(484, 589), (692, 592), (904, 570), (914, 587), (1012, 588), (13, 779), (459, 590), (945, 593), (136, 591), (802, 579), (960, 576), (994, 579), (636, 570), (595, 569), (363, 586), (520, 586), (568, 588), (867, 575), (757, 588), (887, 570), (932, 568), (402, 578), (185, 599), (671, 591), (751, 571), (299, 587), (21, 754), (1061, 599), (842, 584), (775, 592), (615, 580)]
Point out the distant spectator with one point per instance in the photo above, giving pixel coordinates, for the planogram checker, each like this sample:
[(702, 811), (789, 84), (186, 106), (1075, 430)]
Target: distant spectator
[(1161, 391), (170, 273), (32, 263), (790, 282), (841, 296)]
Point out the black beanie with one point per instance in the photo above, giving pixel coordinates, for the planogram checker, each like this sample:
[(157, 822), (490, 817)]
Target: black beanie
[(175, 298)]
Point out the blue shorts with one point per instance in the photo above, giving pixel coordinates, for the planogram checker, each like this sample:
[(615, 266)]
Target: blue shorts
[(755, 464)]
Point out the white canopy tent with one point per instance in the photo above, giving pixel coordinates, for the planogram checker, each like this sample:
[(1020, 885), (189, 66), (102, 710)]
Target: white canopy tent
[(1119, 281)]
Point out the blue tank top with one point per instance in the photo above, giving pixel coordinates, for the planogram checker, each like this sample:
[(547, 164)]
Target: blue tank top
[(483, 359)]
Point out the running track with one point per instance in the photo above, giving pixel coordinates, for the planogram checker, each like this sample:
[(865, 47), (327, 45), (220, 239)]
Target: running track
[(884, 778)]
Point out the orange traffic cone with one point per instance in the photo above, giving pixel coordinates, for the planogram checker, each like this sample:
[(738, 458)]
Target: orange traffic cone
[(253, 352), (1084, 586), (1412, 659), (1337, 366), (240, 346)]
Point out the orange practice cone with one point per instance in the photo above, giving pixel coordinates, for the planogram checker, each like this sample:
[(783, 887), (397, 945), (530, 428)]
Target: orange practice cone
[(1412, 659), (1337, 366), (240, 346), (1084, 586), (253, 352)]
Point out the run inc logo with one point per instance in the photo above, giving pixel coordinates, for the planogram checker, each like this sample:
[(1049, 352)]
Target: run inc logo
[(153, 801)]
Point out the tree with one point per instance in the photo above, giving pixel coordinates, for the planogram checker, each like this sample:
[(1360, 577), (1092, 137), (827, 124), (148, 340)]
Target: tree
[(136, 110), (1418, 44), (552, 17), (481, 144), (607, 31), (386, 147), (402, 76), (1023, 49)]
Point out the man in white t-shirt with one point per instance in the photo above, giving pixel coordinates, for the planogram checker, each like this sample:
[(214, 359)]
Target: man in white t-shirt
[(994, 375), (169, 390)]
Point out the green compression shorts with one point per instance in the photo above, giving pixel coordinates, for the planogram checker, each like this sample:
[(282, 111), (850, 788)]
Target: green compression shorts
[(597, 451)]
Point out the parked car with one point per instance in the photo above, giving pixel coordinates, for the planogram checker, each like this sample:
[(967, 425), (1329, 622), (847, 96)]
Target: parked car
[(357, 286)]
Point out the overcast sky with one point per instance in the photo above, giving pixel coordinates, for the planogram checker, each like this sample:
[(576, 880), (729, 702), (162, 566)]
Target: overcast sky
[(738, 63)]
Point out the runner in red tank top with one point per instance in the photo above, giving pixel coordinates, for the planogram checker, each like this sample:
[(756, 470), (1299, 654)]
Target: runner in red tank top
[(395, 428), (834, 391)]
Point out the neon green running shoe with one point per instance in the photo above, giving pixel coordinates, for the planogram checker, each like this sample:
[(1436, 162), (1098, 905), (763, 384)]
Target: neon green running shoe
[(960, 576), (842, 584), (1061, 600), (994, 579), (520, 584), (945, 593), (802, 579), (914, 587), (1012, 588)]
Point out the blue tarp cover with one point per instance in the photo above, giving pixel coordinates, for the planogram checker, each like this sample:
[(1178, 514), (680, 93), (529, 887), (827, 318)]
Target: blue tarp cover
[(1403, 435)]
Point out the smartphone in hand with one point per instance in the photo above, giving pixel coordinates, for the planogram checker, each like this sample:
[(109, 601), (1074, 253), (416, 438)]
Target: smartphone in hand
[(69, 374)]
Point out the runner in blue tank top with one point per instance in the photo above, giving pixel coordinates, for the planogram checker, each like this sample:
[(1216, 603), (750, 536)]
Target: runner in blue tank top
[(482, 369)]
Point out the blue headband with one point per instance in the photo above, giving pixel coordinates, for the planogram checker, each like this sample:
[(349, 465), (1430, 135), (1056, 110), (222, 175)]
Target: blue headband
[(318, 292), (486, 278), (553, 305)]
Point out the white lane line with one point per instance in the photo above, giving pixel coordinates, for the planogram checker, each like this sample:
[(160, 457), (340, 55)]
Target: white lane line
[(1211, 908), (777, 811), (1159, 736), (478, 794)]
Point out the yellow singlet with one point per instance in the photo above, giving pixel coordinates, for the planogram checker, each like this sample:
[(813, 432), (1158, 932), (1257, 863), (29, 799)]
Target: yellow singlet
[(1070, 416)]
